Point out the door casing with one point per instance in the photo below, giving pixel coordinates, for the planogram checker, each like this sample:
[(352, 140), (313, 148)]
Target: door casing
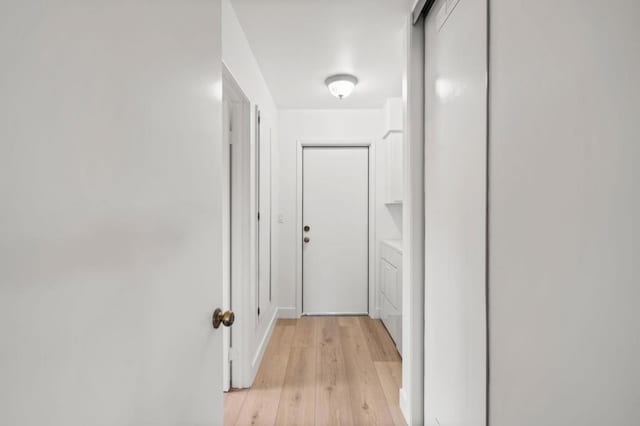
[(240, 222)]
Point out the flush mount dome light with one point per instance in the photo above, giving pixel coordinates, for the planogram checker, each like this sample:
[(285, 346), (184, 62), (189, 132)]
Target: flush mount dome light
[(341, 85)]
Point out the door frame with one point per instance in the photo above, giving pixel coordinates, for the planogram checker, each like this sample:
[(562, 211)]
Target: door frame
[(241, 221), (413, 221), (226, 239), (341, 143)]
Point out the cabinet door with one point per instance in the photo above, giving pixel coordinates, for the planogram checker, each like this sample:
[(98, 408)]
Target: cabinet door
[(389, 281), (391, 313), (394, 167)]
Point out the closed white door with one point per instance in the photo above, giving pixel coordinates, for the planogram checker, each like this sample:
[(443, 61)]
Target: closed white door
[(455, 206), (335, 211), (111, 223)]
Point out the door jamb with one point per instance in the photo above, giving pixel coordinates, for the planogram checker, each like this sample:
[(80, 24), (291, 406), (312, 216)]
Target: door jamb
[(301, 144), (413, 226)]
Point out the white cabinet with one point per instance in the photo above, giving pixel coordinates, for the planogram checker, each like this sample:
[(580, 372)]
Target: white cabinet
[(392, 145), (392, 141), (393, 116), (390, 289)]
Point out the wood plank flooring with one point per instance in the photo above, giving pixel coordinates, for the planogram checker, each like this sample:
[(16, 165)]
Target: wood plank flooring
[(323, 371)]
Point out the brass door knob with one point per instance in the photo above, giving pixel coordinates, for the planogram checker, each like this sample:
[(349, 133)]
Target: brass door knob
[(225, 318), (306, 239)]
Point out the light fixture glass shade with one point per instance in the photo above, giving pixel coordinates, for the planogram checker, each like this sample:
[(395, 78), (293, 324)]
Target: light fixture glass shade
[(341, 85)]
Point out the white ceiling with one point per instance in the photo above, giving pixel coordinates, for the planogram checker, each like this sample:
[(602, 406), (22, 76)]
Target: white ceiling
[(299, 43)]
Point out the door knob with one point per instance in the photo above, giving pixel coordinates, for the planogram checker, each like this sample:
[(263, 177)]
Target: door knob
[(306, 239), (306, 228), (225, 318)]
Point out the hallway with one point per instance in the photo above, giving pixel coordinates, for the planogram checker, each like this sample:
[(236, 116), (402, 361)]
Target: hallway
[(323, 371), (203, 196)]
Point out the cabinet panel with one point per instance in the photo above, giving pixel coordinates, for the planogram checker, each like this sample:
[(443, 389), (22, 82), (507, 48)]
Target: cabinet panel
[(393, 115), (390, 287), (395, 168), (392, 150)]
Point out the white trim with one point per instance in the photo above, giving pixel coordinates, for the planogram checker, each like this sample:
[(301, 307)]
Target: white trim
[(227, 356), (404, 403), (257, 180), (386, 135), (242, 262), (335, 314), (372, 208), (377, 313), (287, 313), (413, 229), (418, 9)]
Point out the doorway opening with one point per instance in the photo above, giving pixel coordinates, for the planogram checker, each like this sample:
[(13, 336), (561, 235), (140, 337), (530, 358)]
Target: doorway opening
[(237, 238)]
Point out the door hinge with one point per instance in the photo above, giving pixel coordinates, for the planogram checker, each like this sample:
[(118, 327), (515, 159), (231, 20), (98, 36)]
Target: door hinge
[(258, 215), (232, 354), (258, 311)]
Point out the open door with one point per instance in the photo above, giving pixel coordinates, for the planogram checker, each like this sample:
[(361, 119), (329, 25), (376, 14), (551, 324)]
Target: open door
[(111, 232)]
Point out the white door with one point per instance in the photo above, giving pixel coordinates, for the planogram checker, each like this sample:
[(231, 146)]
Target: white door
[(335, 212), (455, 206), (110, 226)]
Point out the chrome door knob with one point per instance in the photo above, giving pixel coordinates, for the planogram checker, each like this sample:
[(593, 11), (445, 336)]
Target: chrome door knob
[(225, 318)]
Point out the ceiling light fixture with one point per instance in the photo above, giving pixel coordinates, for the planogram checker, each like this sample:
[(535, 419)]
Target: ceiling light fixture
[(341, 85)]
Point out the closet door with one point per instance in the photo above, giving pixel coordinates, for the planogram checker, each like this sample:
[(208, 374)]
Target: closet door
[(455, 206)]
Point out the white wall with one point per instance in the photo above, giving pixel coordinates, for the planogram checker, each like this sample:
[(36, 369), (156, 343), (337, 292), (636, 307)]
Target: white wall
[(110, 236), (295, 125), (240, 61), (564, 209)]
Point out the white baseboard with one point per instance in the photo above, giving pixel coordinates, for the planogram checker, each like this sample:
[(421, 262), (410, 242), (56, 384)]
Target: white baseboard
[(262, 347), (287, 313), (404, 405)]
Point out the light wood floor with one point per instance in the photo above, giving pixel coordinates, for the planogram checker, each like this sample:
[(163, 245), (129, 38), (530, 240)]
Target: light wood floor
[(323, 371)]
